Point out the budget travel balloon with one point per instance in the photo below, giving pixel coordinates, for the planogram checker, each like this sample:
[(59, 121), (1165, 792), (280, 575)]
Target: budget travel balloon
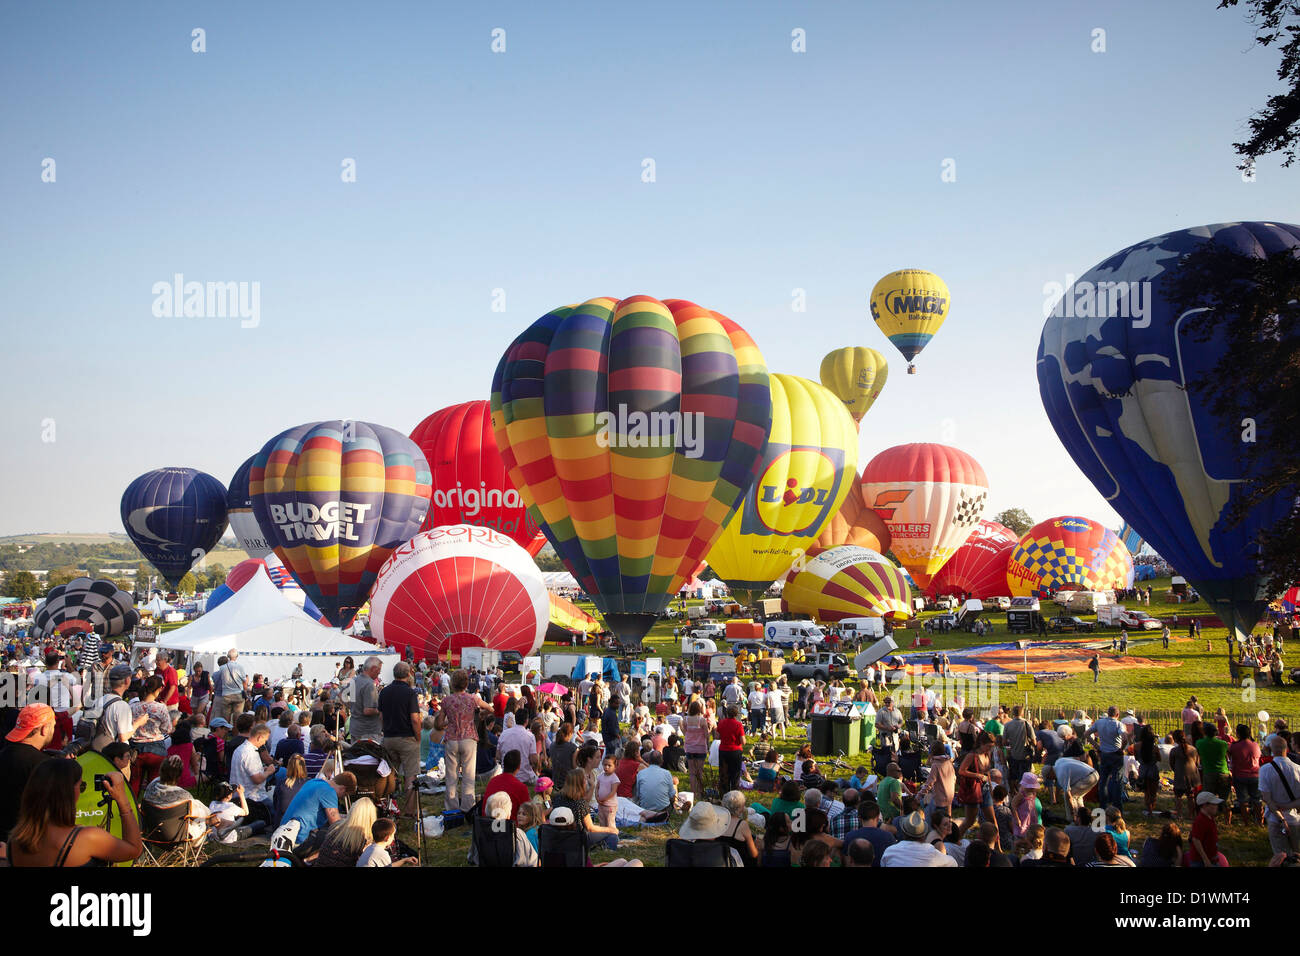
[(979, 567), (84, 605), (633, 429), (931, 497), (239, 509), (848, 582), (806, 472), (1114, 362), (460, 586), (175, 516), (855, 523), (470, 484), (909, 306), (856, 376), (335, 498), (1068, 552)]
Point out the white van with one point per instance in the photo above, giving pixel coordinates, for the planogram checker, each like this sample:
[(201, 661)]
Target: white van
[(863, 628), (1087, 602), (698, 645), (789, 633)]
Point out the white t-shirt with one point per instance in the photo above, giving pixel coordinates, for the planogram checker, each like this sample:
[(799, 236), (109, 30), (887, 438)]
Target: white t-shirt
[(757, 700), (60, 689), (773, 699), (688, 685), (278, 733), (244, 764)]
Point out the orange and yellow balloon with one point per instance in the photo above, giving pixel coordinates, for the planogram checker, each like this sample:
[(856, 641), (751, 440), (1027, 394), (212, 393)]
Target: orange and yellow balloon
[(848, 582)]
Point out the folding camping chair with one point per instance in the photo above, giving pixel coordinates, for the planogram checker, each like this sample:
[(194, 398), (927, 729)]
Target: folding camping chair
[(561, 846), (493, 842), (697, 853), (165, 832)]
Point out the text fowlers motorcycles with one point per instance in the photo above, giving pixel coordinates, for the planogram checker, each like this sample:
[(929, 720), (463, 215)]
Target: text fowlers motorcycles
[(909, 530)]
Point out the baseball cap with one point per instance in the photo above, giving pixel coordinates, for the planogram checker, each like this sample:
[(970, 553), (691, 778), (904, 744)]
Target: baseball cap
[(119, 673), (32, 717), (1205, 796), (219, 722), (561, 817)]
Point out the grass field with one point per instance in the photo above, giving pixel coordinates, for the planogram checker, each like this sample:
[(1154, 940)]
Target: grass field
[(1148, 691)]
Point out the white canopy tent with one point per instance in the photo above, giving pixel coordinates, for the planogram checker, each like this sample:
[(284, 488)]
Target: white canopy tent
[(559, 581), (272, 636)]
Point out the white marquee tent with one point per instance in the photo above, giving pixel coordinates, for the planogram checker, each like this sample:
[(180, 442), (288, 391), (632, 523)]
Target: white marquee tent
[(272, 636)]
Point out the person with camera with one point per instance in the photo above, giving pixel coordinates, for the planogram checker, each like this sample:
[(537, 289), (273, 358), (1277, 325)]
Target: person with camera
[(47, 833)]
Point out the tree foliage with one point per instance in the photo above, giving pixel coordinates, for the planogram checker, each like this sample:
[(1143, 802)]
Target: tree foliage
[(1275, 128), (1017, 519), (21, 584), (1254, 389)]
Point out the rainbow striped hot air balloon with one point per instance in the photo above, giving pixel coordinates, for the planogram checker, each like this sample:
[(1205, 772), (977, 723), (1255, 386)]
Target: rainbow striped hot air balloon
[(335, 498), (633, 429), (1068, 552), (809, 465), (848, 582)]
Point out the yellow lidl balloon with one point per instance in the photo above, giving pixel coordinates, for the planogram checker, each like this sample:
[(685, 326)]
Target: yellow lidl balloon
[(909, 306), (807, 469), (856, 376)]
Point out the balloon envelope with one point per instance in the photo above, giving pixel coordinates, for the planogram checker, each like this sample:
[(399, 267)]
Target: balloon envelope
[(909, 306), (807, 468), (84, 605), (1068, 552), (1114, 385), (239, 509), (979, 567), (931, 497), (335, 499), (174, 516), (470, 484), (856, 376), (460, 586), (848, 582), (243, 572), (855, 523), (633, 429)]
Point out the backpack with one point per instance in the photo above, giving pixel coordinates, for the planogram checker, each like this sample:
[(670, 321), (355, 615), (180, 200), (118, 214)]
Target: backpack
[(100, 736)]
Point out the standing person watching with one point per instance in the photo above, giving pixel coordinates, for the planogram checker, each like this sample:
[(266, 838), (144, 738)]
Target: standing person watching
[(230, 685), (731, 744), (399, 705), (460, 744), (367, 721)]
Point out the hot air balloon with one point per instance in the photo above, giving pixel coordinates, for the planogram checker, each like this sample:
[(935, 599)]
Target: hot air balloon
[(335, 498), (1068, 552), (806, 472), (931, 496), (243, 572), (633, 429), (567, 619), (470, 484), (909, 306), (1113, 368), (460, 586), (174, 516), (856, 376), (847, 582), (979, 567), (84, 605), (855, 523), (239, 509)]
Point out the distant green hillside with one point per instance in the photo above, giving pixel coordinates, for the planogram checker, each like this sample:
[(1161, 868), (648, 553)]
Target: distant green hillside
[(31, 552)]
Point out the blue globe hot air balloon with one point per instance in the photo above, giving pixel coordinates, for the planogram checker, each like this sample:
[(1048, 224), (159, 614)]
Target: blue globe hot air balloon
[(1114, 363), (175, 516)]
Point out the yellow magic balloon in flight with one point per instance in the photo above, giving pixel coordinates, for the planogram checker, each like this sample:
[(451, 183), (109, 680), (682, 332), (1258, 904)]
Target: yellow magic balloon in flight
[(909, 306), (856, 376), (807, 469)]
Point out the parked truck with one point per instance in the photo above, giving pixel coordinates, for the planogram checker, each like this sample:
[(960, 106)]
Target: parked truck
[(822, 665)]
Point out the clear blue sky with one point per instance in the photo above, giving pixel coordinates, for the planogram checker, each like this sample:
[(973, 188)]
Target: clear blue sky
[(522, 171)]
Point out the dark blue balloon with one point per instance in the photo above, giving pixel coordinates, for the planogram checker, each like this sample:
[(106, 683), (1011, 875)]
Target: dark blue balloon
[(175, 516), (1113, 364)]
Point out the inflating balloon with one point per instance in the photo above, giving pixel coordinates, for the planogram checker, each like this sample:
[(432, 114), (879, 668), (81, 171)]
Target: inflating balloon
[(1114, 364), (335, 498), (460, 586), (633, 429), (1068, 552), (856, 376), (909, 306), (979, 567), (239, 509), (567, 619), (175, 516), (847, 582), (243, 572), (855, 523), (806, 472), (84, 605), (931, 497), (470, 484)]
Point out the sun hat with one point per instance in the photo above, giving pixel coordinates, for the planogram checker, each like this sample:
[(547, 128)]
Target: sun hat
[(1205, 796), (913, 826), (1029, 781), (704, 823), (544, 785), (32, 717)]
